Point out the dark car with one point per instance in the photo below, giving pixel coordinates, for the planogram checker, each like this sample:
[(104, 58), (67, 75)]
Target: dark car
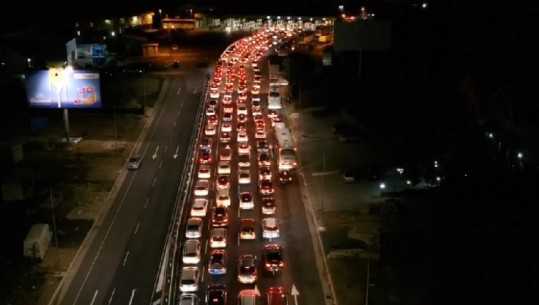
[(216, 295), (219, 217), (285, 177), (273, 258)]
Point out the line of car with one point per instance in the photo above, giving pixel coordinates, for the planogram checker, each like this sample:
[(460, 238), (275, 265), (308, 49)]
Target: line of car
[(220, 113)]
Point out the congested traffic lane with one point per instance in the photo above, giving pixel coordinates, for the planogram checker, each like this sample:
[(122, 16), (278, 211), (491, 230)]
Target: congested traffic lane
[(300, 267)]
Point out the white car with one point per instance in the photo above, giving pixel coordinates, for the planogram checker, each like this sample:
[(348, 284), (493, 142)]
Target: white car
[(228, 108), (210, 130), (260, 134), (244, 176), (202, 188), (223, 198), (227, 99), (247, 230), (204, 171), (218, 238), (214, 94), (227, 117), (191, 251), (190, 277), (244, 148), (257, 111), (242, 109), (200, 207), (268, 205), (244, 160), (246, 201), (270, 228), (226, 127), (255, 98), (242, 136), (193, 228), (242, 96), (210, 111), (242, 89), (223, 168), (226, 154)]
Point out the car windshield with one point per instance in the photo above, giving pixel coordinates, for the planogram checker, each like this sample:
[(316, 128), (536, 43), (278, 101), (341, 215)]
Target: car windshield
[(133, 159), (188, 282), (192, 227), (217, 258), (274, 256)]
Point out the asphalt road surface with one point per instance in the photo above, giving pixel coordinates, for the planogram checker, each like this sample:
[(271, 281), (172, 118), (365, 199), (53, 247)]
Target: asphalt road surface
[(295, 237), (122, 262)]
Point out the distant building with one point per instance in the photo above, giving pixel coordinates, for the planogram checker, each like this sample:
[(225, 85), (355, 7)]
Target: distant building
[(86, 55)]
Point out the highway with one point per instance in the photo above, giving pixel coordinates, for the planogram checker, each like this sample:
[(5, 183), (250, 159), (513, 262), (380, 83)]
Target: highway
[(301, 267), (123, 260)]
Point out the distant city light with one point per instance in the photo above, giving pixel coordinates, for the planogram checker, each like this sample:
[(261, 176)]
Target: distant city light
[(491, 135), (424, 5), (341, 8), (112, 34), (520, 155)]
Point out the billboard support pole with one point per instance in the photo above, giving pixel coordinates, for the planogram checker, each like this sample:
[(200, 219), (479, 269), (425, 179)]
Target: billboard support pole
[(66, 122)]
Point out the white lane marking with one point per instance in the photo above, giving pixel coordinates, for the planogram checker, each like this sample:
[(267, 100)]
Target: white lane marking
[(206, 247), (136, 229), (166, 148), (203, 272), (93, 299), (174, 124), (125, 258), (155, 153), (132, 295), (176, 153), (195, 91), (179, 90), (112, 295), (160, 163), (146, 203), (154, 179)]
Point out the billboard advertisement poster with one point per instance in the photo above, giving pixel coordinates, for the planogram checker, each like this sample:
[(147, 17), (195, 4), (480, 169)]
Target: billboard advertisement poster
[(63, 88)]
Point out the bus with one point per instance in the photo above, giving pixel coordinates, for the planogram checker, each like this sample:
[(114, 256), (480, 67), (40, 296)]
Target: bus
[(286, 150)]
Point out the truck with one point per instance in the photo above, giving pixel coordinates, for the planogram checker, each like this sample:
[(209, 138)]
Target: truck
[(37, 241)]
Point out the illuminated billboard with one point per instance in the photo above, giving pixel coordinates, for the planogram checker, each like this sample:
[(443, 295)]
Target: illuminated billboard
[(63, 88)]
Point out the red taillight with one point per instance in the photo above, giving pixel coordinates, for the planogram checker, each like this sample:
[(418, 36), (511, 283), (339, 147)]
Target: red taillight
[(268, 265), (281, 264)]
